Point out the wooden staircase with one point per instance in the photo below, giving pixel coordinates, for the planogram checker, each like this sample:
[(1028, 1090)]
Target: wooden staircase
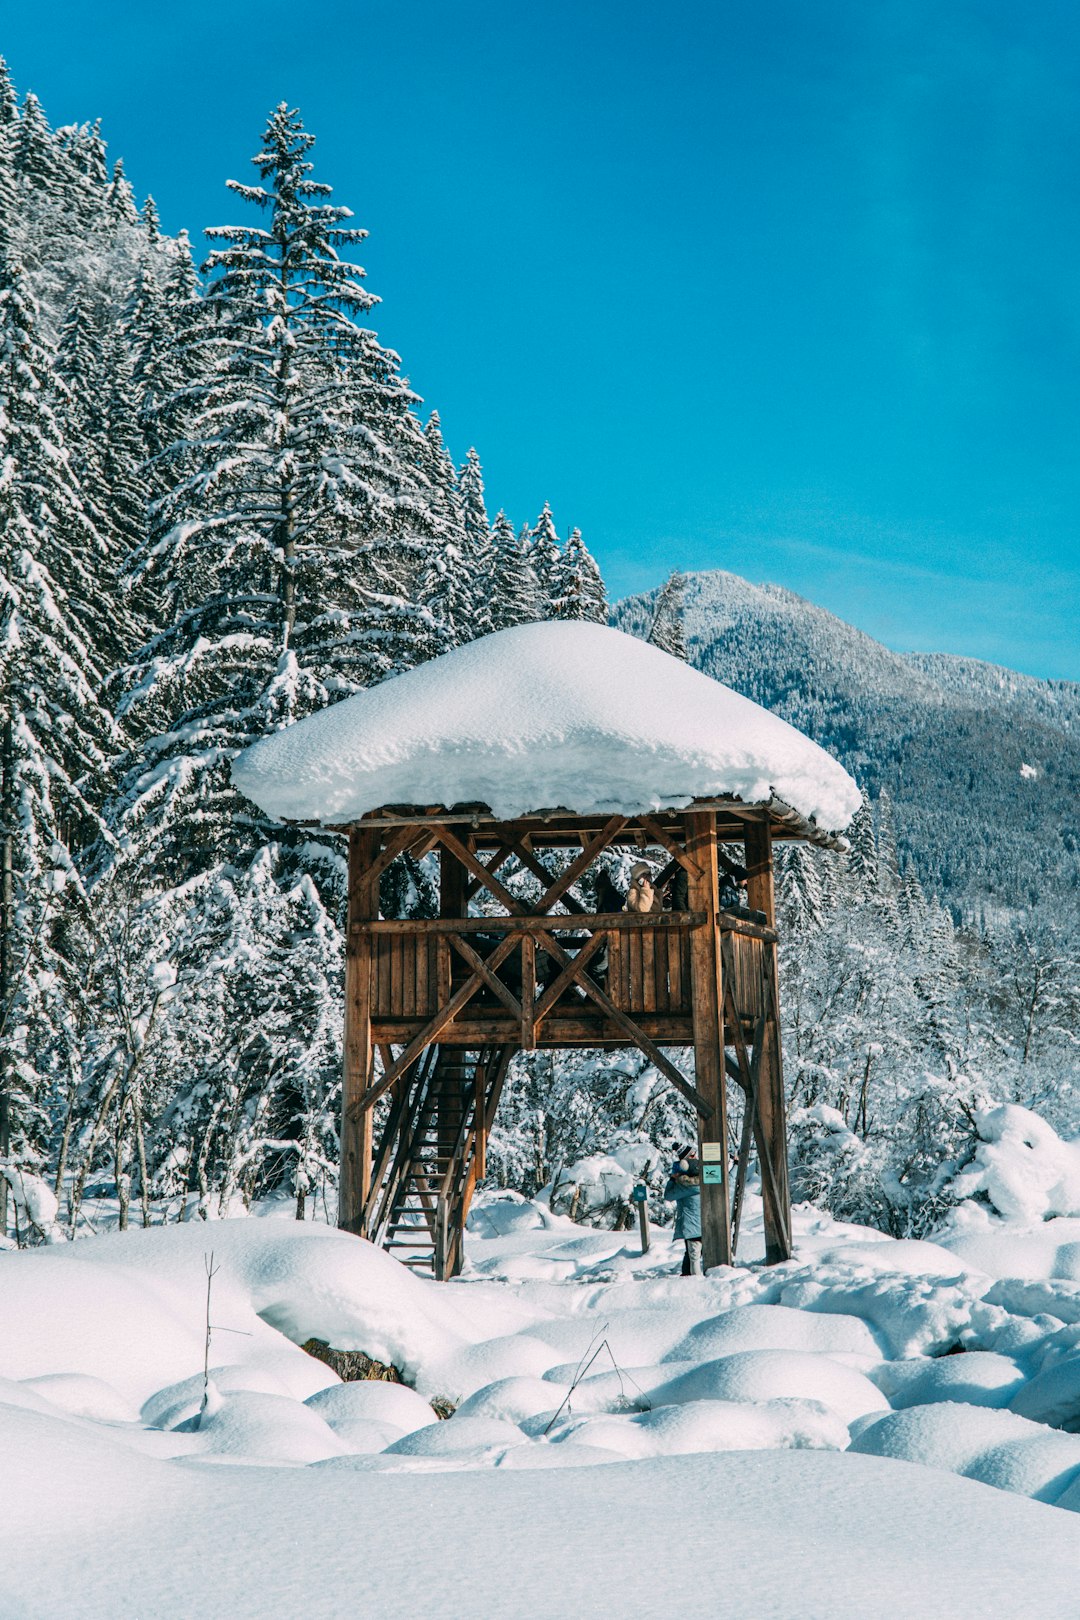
[(432, 1153)]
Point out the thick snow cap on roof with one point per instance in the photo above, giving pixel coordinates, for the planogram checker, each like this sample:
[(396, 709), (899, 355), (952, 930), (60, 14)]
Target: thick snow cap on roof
[(555, 715)]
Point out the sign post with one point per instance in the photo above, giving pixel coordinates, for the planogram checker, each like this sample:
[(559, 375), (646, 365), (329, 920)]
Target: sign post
[(640, 1197)]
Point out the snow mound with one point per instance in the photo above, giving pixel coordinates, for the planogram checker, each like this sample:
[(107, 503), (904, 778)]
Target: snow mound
[(977, 1378), (712, 1425), (371, 1400), (567, 715), (1021, 1167), (1052, 1396), (266, 1428), (998, 1448), (765, 1375), (775, 1327)]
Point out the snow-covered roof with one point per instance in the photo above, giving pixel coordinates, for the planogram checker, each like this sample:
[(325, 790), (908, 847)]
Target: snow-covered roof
[(556, 715)]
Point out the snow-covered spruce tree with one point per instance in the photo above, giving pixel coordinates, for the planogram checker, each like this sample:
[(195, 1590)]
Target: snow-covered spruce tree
[(545, 557), (579, 590), (287, 547), (285, 554), (666, 630), (9, 115), (447, 587), (479, 549), (96, 396), (516, 597), (55, 739)]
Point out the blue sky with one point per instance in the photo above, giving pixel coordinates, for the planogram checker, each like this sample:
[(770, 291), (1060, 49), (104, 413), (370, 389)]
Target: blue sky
[(783, 287)]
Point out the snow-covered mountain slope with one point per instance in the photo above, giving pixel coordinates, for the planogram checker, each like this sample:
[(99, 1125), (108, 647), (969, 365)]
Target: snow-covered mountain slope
[(983, 764)]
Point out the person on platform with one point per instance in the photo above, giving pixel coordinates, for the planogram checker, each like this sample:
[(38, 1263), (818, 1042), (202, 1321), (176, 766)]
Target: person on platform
[(642, 896), (684, 1191)]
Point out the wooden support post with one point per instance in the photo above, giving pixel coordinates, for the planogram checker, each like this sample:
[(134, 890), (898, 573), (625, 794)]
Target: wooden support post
[(771, 1127), (356, 1120), (452, 1069), (707, 998), (760, 895)]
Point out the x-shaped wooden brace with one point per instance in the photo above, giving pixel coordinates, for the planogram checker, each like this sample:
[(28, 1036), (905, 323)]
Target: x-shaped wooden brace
[(436, 1025), (575, 970), (556, 888)]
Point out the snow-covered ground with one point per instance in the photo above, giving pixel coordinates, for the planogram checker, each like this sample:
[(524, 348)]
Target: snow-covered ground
[(877, 1427)]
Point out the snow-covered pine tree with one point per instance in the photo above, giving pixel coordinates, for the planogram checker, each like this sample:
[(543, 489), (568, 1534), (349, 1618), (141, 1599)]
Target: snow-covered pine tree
[(516, 597), (447, 587), (667, 631), (288, 545), (545, 557), (119, 197), (863, 860), (9, 115), (282, 553), (580, 590), (479, 550), (55, 739), (95, 395)]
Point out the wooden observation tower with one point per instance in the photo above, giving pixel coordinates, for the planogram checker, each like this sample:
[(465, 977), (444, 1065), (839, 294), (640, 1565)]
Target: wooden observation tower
[(436, 1007)]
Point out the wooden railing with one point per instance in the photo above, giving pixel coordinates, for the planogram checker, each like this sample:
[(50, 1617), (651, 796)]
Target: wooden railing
[(641, 961)]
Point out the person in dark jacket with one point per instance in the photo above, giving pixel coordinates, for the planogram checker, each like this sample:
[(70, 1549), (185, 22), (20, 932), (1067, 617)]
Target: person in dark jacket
[(684, 1191)]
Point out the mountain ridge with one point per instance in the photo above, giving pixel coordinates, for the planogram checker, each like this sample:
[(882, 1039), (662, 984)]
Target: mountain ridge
[(982, 762)]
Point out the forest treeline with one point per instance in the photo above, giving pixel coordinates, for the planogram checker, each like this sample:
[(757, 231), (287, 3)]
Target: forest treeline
[(222, 508)]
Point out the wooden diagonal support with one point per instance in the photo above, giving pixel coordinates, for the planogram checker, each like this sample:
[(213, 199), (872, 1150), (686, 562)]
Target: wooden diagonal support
[(581, 863), (475, 865), (400, 844), (673, 847), (435, 1025), (493, 982), (499, 856), (569, 974), (539, 870), (629, 1028)]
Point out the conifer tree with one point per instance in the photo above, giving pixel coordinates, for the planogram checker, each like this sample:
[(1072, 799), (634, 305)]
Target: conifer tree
[(545, 557), (9, 114), (56, 739), (516, 597), (580, 590), (479, 544), (282, 553), (863, 862), (667, 631), (119, 197)]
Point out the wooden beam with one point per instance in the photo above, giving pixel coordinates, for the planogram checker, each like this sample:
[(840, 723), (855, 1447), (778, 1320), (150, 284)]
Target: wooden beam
[(674, 849), (569, 973), (608, 921), (528, 992), (630, 1028), (499, 858), (578, 867), (707, 1004), (760, 895), (772, 1118), (354, 1181), (586, 1027), (436, 1025), (492, 980), (399, 844), (475, 865)]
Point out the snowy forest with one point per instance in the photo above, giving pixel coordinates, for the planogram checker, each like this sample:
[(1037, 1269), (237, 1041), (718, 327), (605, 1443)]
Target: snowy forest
[(222, 507)]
